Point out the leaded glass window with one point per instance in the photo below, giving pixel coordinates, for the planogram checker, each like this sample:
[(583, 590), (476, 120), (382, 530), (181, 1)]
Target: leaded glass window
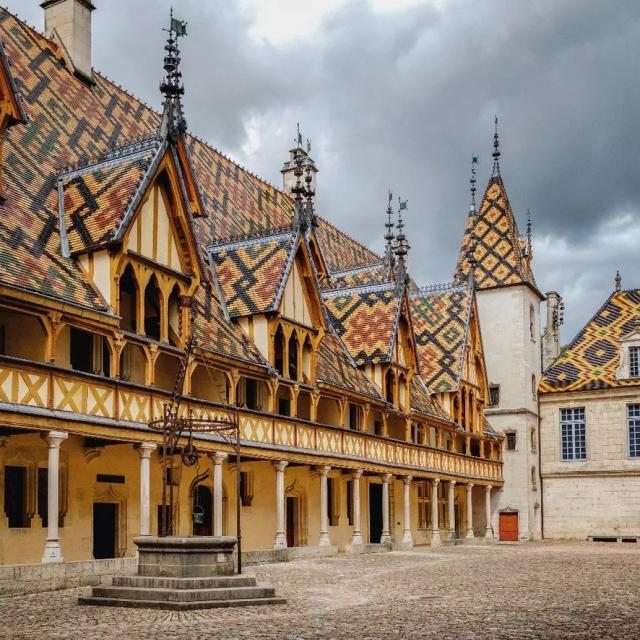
[(573, 434), (633, 416)]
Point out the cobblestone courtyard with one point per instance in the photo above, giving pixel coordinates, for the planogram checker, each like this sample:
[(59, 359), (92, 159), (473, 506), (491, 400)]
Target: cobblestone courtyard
[(541, 590)]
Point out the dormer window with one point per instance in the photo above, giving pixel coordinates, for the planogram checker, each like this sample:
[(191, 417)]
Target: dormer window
[(629, 365), (634, 362)]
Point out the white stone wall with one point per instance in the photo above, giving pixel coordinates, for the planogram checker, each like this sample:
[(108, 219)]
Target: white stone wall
[(599, 496), (513, 357)]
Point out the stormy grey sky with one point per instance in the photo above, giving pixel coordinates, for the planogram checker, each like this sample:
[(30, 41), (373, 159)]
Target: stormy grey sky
[(401, 94)]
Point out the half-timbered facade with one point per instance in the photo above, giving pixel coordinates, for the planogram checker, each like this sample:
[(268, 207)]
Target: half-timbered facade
[(360, 396)]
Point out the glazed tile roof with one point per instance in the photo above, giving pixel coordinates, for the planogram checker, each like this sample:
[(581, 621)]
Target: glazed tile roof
[(336, 368), (216, 334), (422, 401), (340, 251), (440, 318), (591, 360), (499, 253), (365, 318), (96, 198), (375, 273), (251, 272)]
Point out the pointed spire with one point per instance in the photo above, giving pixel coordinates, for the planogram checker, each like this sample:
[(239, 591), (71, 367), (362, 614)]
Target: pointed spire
[(618, 282), (401, 246), (389, 236), (303, 194), (173, 123), (529, 229), (496, 151), (472, 260), (472, 182)]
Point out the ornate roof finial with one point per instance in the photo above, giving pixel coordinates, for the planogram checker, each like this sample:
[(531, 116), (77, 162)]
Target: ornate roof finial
[(618, 282), (496, 151), (402, 246), (173, 123), (529, 228), (471, 258), (298, 138), (389, 236), (472, 181), (304, 211)]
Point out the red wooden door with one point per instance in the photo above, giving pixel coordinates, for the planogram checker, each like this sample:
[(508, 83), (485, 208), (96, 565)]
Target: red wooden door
[(509, 527)]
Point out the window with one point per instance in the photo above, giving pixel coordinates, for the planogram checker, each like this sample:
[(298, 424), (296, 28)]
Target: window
[(424, 505), (532, 322), (354, 417), (246, 488), (573, 439), (278, 351), (251, 393), (634, 362), (633, 415), (389, 384), (377, 427), (284, 406), (511, 441), (494, 395), (333, 502), (81, 355), (534, 387), (533, 440), (293, 356), (152, 309), (534, 481), (15, 497)]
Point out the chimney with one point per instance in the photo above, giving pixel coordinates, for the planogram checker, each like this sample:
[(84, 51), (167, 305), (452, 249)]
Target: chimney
[(288, 169), (68, 23), (551, 337)]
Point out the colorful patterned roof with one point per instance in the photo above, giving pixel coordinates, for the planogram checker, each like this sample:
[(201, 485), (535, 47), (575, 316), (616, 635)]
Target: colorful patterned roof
[(358, 276), (591, 360), (365, 318), (499, 256), (250, 272), (422, 401), (69, 121), (441, 323), (217, 334), (340, 251), (95, 199), (336, 368)]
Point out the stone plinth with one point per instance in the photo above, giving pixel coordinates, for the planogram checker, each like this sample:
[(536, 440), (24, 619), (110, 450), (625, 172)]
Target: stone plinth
[(183, 573), (185, 557)]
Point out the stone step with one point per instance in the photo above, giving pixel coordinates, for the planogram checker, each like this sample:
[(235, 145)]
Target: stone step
[(178, 606), (184, 583), (183, 595)]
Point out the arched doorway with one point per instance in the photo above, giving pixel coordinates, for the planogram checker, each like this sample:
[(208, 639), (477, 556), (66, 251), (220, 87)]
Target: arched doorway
[(202, 504)]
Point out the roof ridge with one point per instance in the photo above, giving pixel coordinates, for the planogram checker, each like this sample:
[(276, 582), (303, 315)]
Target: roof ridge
[(438, 287), (240, 241), (355, 270), (360, 288)]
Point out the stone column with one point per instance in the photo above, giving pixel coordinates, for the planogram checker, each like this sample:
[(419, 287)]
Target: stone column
[(469, 488), (435, 525), (281, 531), (145, 449), (386, 533), (324, 507), (407, 538), (452, 510), (52, 551), (218, 458), (488, 531), (356, 537)]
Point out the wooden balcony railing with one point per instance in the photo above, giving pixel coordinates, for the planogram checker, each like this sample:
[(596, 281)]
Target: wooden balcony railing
[(51, 387)]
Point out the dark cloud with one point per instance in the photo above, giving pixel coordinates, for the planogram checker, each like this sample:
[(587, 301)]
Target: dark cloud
[(403, 99)]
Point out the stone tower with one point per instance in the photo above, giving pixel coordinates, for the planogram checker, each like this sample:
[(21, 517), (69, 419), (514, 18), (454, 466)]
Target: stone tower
[(499, 260)]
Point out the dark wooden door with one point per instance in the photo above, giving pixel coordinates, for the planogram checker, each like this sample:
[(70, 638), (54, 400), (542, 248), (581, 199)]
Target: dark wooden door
[(509, 527), (203, 502), (291, 522), (375, 512), (105, 519)]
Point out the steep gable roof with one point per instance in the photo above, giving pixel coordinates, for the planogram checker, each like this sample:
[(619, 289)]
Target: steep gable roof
[(591, 360), (493, 232), (336, 368), (366, 319), (441, 318)]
